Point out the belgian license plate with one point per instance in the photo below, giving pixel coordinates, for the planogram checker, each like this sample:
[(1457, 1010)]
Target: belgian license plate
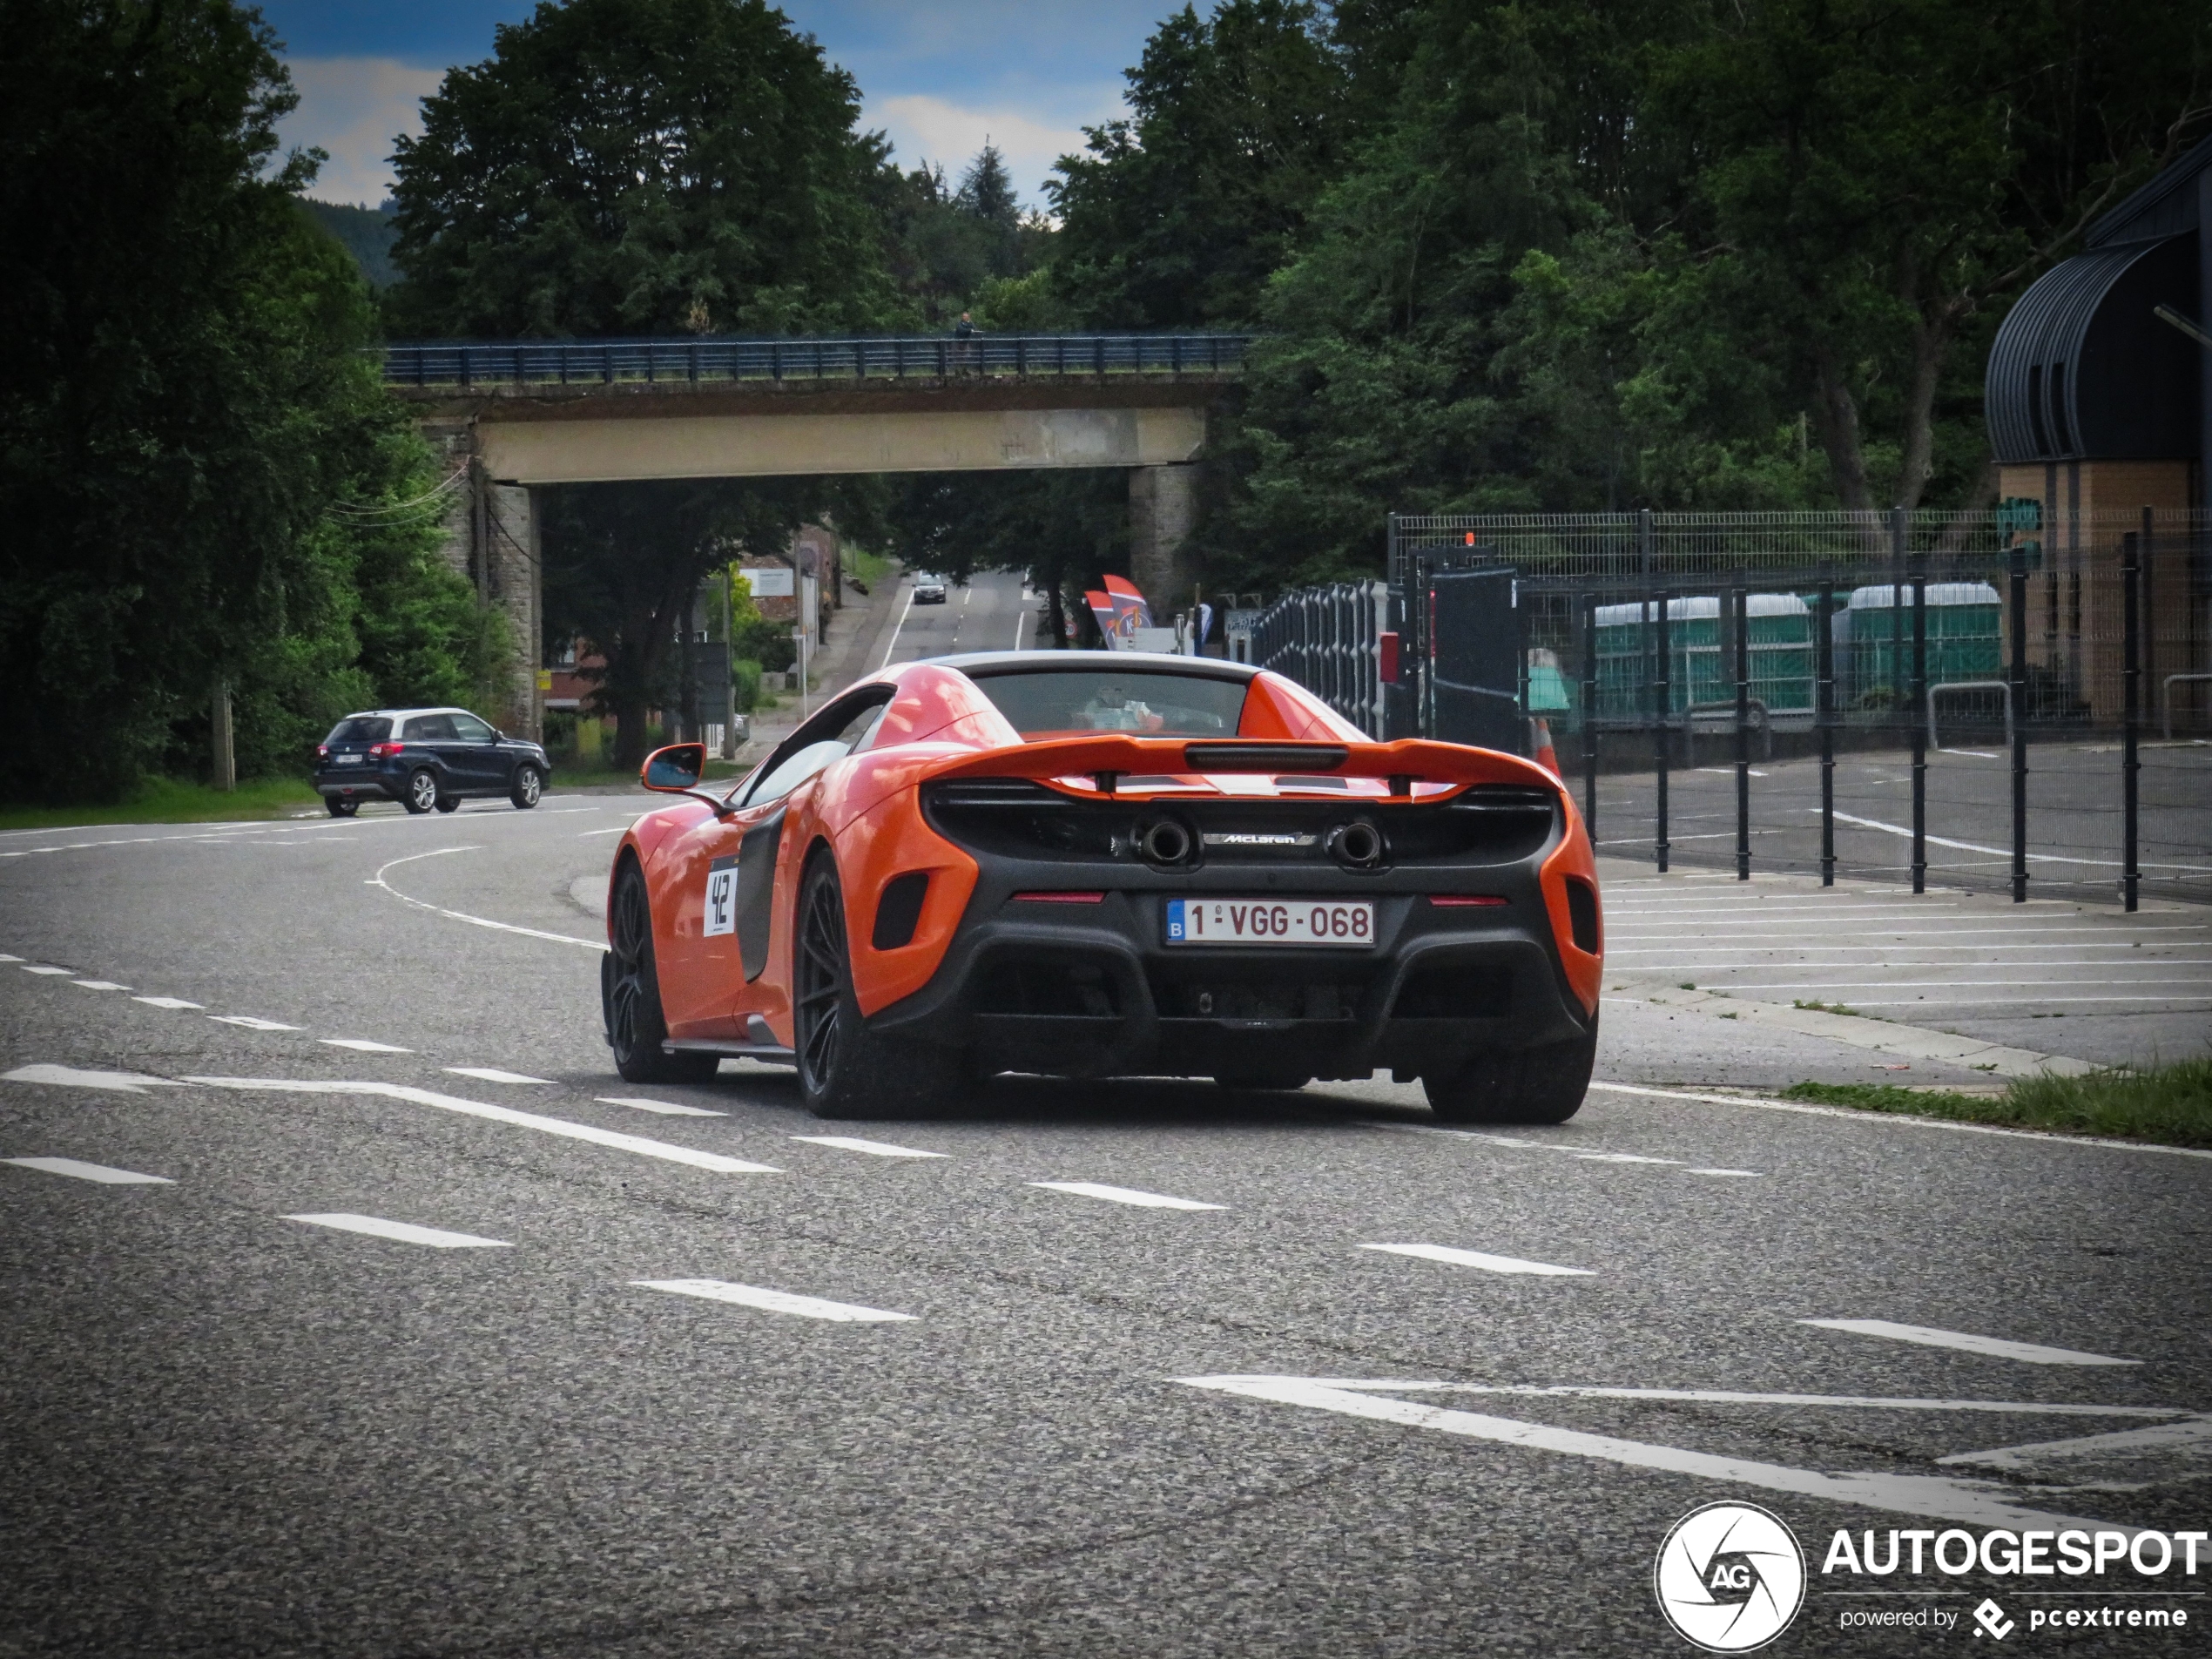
[(1269, 921), (347, 760)]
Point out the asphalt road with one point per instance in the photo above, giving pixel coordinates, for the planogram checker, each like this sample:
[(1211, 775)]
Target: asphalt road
[(237, 1423), (991, 610), (2075, 820)]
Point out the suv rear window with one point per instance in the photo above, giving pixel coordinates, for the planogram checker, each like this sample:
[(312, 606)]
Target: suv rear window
[(1147, 704), (360, 728)]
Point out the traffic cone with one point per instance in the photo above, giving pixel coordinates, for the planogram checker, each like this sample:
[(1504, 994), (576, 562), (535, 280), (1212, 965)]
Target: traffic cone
[(1546, 756)]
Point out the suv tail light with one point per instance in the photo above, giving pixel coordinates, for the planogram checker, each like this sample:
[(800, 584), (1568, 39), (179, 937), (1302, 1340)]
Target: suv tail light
[(322, 751), (378, 750)]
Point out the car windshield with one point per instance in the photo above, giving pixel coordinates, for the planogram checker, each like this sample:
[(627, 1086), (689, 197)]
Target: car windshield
[(360, 728), (1149, 704)]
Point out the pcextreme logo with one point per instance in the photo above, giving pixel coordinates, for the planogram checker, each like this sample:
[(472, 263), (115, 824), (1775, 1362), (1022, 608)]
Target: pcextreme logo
[(1729, 1577)]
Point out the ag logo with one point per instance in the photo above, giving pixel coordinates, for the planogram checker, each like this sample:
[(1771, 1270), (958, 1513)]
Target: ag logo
[(1729, 1577)]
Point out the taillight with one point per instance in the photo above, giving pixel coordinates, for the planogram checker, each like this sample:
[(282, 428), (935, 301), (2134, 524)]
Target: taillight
[(322, 751), (1458, 901), (379, 750)]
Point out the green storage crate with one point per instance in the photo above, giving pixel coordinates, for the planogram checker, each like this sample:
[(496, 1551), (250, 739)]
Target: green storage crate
[(1964, 632)]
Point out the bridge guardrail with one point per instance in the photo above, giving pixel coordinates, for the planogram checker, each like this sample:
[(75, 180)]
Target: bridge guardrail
[(470, 364)]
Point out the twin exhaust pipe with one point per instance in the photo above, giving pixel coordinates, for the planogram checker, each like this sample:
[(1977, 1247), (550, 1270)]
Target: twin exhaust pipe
[(1167, 843)]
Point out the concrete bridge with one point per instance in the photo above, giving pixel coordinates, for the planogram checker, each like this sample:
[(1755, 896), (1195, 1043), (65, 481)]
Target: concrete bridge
[(520, 416)]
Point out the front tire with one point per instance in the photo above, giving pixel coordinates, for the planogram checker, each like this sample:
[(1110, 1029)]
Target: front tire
[(630, 995), (528, 788), (845, 1070), (448, 803), (421, 792), (1542, 1085)]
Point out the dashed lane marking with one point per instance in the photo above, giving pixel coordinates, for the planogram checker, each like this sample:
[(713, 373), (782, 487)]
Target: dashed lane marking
[(362, 1045), (167, 1003), (253, 1024), (1732, 1397), (1969, 1502), (874, 1149), (1585, 1154), (666, 1108), (378, 880), (1488, 1263), (752, 1296), (2190, 1440), (4, 957), (1125, 1195), (99, 1172), (1753, 1173), (2031, 1353), (561, 1126), (493, 1075), (41, 968), (129, 1082), (99, 985), (405, 1231)]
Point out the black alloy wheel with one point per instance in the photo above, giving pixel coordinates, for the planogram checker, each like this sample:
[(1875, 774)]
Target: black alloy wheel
[(629, 995), (527, 787), (1543, 1085), (340, 808), (845, 1070), (422, 791)]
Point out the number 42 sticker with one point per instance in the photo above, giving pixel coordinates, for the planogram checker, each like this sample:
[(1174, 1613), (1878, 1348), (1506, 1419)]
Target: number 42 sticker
[(721, 897)]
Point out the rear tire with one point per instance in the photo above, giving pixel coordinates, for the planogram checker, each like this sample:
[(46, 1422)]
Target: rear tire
[(845, 1070), (421, 792), (448, 803), (1542, 1085), (630, 995), (340, 808), (527, 788)]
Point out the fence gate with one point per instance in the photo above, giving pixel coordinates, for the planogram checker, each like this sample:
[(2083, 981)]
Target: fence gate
[(1475, 657)]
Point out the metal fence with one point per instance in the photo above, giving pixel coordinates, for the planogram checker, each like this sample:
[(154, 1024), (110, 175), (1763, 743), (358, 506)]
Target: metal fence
[(1330, 640), (470, 364), (1987, 699)]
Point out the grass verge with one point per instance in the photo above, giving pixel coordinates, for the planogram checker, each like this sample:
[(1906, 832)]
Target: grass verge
[(164, 801), (2170, 1104)]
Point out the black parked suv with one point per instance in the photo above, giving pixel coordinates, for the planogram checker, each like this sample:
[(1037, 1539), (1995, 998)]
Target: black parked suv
[(425, 758)]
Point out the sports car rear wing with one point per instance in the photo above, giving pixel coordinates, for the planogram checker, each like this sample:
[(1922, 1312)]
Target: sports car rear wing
[(1108, 756)]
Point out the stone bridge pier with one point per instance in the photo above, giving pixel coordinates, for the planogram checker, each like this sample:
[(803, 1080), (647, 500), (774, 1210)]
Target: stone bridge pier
[(489, 535)]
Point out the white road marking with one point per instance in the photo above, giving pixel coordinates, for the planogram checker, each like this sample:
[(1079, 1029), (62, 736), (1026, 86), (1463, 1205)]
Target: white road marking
[(666, 1108), (752, 1296), (1749, 1172), (894, 645), (99, 985), (4, 957), (2005, 852), (561, 1126), (1903, 1119), (254, 1024), (1731, 1396), (2190, 1436), (1969, 1503), (166, 1002), (1966, 984), (586, 835), (2031, 1352), (362, 1045), (41, 968), (874, 1149), (1589, 1154), (99, 1172), (1478, 1258), (130, 1082), (1125, 1195), (494, 1074), (378, 880), (406, 1231)]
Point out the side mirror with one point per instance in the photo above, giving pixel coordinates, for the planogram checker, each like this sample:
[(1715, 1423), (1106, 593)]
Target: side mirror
[(674, 770)]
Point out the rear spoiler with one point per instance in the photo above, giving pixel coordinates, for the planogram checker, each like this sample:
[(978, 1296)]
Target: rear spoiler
[(1109, 757)]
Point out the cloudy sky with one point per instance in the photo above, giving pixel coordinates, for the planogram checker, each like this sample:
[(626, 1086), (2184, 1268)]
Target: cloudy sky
[(937, 79)]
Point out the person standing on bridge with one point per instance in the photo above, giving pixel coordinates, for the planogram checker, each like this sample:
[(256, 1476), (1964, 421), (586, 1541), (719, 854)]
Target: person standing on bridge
[(964, 354)]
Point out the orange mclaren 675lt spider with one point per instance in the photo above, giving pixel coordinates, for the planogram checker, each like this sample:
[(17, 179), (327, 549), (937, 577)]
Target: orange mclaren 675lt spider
[(1094, 864)]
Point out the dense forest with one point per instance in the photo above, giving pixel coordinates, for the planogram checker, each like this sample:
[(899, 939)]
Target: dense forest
[(1537, 255)]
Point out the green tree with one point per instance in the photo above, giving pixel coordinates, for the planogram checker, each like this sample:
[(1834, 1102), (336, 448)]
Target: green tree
[(1175, 217), (185, 406)]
